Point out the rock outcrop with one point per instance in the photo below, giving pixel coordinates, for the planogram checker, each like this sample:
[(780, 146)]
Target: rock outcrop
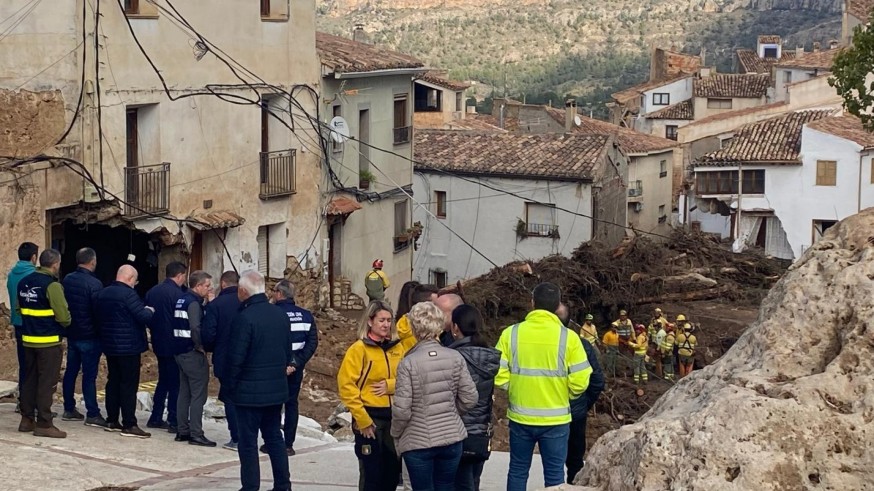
[(789, 407)]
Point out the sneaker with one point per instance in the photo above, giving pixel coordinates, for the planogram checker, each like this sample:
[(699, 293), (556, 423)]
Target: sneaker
[(50, 432), (27, 425), (160, 425), (73, 415), (96, 421), (231, 445), (113, 427), (135, 432)]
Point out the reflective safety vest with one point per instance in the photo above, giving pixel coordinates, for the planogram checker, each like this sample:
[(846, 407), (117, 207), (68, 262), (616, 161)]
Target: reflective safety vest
[(589, 332), (640, 344), (667, 344), (39, 326), (182, 342), (625, 329), (687, 343), (542, 368)]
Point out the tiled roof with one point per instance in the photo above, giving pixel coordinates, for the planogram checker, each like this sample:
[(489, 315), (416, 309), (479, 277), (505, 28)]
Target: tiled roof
[(217, 219), (751, 63), (846, 127), (629, 140), (342, 55), (510, 124), (821, 60), (473, 124), (632, 92), (772, 39), (438, 78), (555, 156), (342, 205), (733, 85), (774, 141), (739, 112), (683, 110), (860, 9)]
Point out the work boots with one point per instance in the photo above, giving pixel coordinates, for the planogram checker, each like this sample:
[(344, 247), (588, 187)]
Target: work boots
[(27, 425), (49, 432)]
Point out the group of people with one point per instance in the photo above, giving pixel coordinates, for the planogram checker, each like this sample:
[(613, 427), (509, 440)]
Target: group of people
[(259, 348), (419, 384)]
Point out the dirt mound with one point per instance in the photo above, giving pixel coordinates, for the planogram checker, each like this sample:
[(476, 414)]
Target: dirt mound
[(790, 406)]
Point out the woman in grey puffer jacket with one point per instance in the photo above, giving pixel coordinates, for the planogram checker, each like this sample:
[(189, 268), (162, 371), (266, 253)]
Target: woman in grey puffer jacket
[(483, 362), (433, 389)]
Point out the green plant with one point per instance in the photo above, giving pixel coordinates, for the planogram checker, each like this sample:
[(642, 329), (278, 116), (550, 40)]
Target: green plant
[(366, 176), (850, 72)]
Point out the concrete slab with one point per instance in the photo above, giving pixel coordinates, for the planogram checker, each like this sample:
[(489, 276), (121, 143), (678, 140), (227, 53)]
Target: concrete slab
[(8, 388)]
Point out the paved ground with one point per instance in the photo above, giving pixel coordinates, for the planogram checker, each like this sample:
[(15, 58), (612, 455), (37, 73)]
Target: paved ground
[(90, 458)]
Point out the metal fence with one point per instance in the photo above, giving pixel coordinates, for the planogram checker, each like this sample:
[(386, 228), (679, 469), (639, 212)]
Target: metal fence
[(278, 173), (147, 190)]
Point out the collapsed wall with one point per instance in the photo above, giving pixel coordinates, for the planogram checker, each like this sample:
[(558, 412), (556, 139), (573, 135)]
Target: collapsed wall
[(790, 406)]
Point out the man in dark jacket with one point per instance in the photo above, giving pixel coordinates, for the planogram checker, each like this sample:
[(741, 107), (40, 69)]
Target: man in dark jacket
[(257, 370), (162, 298), (576, 450), (27, 254), (121, 323), (191, 359), (215, 332), (45, 316), (304, 338), (83, 347)]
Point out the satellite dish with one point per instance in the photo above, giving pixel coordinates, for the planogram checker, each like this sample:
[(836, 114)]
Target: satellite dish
[(578, 120), (339, 129)]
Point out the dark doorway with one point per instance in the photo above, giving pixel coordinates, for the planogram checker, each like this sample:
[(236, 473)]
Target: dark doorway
[(113, 245)]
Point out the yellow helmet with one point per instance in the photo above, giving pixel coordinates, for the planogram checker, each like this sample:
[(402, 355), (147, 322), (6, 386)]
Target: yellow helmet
[(681, 317)]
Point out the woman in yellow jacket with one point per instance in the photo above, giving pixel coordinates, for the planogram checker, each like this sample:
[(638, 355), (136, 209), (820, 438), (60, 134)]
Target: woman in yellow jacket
[(366, 382)]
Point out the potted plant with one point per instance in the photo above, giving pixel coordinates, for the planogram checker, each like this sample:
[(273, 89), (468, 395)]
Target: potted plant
[(365, 177)]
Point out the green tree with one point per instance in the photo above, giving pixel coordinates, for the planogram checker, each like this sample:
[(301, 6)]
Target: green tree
[(851, 71)]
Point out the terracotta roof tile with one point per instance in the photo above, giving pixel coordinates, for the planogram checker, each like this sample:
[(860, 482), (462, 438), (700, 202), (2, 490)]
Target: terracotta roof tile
[(739, 112), (821, 60), (629, 140), (733, 85), (751, 63), (632, 92), (860, 9), (769, 39), (342, 205), (683, 110), (217, 219), (439, 78), (774, 141), (846, 127), (473, 124), (342, 55), (555, 156)]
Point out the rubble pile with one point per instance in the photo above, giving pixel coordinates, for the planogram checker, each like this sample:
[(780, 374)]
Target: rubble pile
[(790, 406)]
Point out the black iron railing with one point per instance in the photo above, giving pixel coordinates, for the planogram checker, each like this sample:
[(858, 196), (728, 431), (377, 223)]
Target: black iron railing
[(147, 190), (542, 230), (402, 135), (636, 189), (277, 174)]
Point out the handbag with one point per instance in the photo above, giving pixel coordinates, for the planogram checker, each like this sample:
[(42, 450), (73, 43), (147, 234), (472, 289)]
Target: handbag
[(476, 448)]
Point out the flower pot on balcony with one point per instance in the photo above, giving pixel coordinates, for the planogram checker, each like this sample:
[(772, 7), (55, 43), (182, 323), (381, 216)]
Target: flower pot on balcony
[(364, 184)]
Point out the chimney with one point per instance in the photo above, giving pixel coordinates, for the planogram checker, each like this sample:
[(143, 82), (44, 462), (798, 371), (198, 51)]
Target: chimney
[(703, 56), (816, 46), (358, 34), (833, 44), (570, 113), (799, 51), (705, 72)]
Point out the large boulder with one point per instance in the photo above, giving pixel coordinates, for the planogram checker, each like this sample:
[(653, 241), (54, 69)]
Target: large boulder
[(789, 407)]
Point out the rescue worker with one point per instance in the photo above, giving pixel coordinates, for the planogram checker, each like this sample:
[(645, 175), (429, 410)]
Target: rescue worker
[(540, 391), (625, 328), (686, 344), (678, 328), (304, 339), (376, 282), (589, 331), (640, 346), (366, 381), (666, 351), (611, 345), (45, 316)]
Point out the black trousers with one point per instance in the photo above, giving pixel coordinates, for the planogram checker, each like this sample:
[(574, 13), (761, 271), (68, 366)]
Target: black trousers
[(379, 464), (576, 447), (292, 408), (121, 389), (42, 368)]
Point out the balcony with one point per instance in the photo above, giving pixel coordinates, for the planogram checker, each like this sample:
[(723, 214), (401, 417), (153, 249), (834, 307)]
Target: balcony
[(536, 230), (635, 191), (277, 174), (147, 190), (402, 135)]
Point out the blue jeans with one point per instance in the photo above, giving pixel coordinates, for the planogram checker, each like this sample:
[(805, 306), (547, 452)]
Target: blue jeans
[(168, 387), (433, 469), (552, 441), (84, 355), (266, 419)]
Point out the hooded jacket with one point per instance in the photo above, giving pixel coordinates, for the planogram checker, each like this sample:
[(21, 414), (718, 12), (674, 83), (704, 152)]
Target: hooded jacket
[(483, 364), (19, 271)]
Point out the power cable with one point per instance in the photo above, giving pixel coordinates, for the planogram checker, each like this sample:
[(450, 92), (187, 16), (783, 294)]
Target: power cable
[(62, 58), (97, 87), (8, 31)]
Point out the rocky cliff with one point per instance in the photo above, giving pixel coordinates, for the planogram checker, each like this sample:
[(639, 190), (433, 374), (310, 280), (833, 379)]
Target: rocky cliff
[(789, 407)]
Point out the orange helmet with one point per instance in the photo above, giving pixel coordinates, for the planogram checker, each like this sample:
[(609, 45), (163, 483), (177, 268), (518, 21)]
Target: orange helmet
[(377, 264)]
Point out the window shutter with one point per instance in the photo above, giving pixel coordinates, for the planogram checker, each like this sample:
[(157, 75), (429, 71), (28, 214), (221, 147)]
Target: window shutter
[(263, 251)]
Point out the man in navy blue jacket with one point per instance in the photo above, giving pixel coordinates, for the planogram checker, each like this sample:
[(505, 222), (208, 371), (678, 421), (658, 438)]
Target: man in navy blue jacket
[(121, 321), (162, 298), (256, 371), (576, 450), (83, 346), (216, 331), (304, 339)]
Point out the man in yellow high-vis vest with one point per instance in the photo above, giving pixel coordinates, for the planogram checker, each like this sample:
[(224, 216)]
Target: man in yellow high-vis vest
[(542, 368)]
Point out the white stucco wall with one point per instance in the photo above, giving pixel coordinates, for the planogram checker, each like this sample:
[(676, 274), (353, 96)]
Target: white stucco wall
[(737, 103), (656, 191), (657, 127), (680, 90), (786, 76), (487, 219)]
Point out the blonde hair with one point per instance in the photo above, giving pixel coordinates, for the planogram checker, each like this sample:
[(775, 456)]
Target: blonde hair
[(427, 320), (374, 308)]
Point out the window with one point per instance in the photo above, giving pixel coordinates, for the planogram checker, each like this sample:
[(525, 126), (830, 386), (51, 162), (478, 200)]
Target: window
[(428, 99), (770, 52), (263, 249), (265, 8), (438, 278), (336, 111), (820, 227), (661, 99), (671, 132), (274, 10), (663, 168), (364, 140), (787, 77), (540, 220), (402, 129), (401, 240), (718, 103), (440, 201), (459, 102), (754, 182), (131, 7), (726, 182), (662, 217), (826, 172)]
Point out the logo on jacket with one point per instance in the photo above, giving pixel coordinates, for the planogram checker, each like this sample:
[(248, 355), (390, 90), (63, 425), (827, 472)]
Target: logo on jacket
[(31, 294)]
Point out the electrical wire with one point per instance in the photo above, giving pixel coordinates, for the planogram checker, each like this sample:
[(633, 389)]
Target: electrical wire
[(8, 31), (62, 58)]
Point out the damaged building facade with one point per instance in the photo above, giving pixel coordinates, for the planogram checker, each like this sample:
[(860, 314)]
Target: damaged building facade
[(209, 169)]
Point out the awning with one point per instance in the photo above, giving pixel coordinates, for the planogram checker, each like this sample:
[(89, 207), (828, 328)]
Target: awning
[(216, 219), (342, 205)]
